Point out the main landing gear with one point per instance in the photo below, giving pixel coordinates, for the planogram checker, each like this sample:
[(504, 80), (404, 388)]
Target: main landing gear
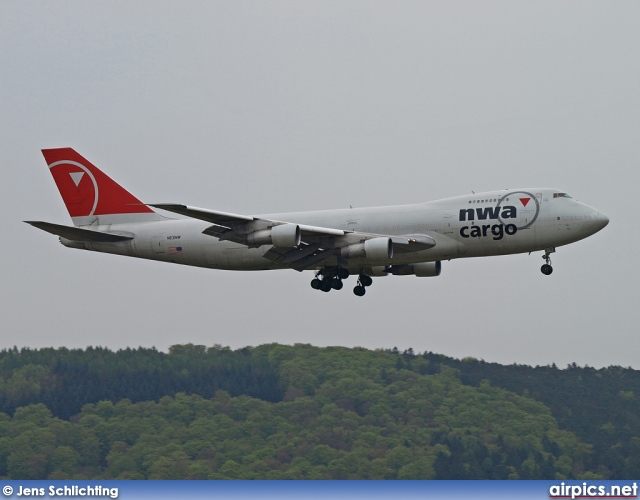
[(331, 279), (327, 280), (546, 268), (363, 281)]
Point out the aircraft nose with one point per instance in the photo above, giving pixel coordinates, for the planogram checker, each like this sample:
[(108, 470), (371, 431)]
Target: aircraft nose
[(601, 220), (597, 221)]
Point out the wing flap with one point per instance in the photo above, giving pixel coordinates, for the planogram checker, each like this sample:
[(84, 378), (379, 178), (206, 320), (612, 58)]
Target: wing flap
[(314, 258), (288, 257), (78, 234)]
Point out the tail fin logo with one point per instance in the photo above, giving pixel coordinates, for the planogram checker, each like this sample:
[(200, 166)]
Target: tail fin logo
[(77, 177), (90, 195), (81, 198)]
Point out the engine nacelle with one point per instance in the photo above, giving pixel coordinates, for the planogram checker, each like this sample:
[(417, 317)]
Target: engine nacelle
[(421, 269), (373, 249), (282, 236), (427, 269), (377, 271)]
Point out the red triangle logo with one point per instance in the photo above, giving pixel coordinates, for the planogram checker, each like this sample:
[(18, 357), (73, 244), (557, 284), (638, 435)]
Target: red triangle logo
[(524, 201)]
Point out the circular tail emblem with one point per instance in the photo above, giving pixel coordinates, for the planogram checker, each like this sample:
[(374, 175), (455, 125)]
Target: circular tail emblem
[(77, 185)]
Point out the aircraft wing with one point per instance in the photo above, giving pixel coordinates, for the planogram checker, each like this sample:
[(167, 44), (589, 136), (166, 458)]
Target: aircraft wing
[(311, 245), (309, 253), (227, 226), (215, 217)]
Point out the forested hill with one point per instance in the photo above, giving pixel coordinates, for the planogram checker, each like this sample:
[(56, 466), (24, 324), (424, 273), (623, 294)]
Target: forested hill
[(276, 411)]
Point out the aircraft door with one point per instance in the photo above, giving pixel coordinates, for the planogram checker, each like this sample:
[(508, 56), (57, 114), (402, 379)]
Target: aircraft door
[(448, 223), (158, 244)]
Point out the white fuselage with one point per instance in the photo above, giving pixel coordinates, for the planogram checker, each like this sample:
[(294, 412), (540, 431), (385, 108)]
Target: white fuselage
[(492, 223)]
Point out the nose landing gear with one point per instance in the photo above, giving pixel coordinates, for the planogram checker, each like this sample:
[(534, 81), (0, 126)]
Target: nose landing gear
[(546, 268)]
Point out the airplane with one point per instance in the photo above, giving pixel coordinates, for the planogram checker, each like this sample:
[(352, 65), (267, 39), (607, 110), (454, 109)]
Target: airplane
[(335, 244)]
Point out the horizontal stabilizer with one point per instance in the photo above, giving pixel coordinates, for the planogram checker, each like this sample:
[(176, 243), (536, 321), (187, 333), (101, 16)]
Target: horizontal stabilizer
[(77, 234)]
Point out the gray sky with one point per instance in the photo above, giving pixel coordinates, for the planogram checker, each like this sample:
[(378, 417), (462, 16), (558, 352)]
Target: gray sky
[(264, 107)]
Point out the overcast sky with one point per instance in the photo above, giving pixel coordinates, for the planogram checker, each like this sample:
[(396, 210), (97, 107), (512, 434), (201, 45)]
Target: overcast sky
[(265, 107)]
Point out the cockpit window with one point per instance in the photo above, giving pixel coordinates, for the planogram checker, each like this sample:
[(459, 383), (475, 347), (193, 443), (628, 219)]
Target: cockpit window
[(561, 195)]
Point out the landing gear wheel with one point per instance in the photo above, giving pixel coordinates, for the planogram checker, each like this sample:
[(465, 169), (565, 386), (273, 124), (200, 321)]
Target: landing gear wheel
[(326, 285), (365, 280), (359, 290), (336, 284), (343, 274), (316, 284), (546, 268)]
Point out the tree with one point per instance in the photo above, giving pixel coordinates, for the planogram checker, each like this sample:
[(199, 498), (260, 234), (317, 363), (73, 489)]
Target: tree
[(65, 460)]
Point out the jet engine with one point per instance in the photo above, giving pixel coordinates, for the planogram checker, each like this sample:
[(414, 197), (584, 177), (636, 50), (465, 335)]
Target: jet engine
[(420, 269), (377, 270), (427, 269), (373, 249), (282, 236)]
